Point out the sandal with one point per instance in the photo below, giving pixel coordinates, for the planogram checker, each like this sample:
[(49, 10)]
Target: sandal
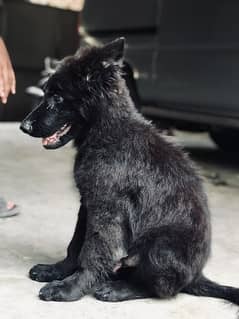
[(8, 209)]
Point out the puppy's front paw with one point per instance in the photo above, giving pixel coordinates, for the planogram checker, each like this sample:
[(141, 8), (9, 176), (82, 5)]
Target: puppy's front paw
[(68, 289), (54, 291), (45, 273)]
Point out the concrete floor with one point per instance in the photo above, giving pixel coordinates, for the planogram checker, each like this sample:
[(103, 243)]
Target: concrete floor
[(41, 183)]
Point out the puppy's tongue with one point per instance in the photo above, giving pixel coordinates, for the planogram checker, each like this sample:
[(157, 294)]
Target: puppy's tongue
[(50, 139), (54, 138)]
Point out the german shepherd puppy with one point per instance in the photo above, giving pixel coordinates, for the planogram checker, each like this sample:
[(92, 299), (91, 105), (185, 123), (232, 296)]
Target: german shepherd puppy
[(143, 228)]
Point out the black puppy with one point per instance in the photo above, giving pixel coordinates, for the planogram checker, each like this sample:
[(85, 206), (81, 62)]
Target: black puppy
[(142, 203)]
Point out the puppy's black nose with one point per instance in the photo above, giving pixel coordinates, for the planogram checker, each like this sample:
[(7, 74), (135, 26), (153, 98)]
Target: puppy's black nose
[(26, 126)]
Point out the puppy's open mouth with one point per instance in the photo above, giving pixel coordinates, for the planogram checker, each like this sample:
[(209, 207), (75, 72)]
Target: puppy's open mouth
[(55, 139)]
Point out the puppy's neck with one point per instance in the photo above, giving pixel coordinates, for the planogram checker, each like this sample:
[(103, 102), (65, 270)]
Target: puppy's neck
[(112, 113), (115, 108)]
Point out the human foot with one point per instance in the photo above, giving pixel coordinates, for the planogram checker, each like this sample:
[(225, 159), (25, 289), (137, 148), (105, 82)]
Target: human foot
[(8, 209)]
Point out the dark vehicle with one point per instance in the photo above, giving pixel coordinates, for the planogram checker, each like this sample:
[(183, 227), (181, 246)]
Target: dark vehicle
[(184, 56)]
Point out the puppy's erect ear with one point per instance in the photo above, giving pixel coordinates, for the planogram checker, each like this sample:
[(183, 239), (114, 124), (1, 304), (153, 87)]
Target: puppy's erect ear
[(114, 51)]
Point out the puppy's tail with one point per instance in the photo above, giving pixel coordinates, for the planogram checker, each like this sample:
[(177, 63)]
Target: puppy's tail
[(207, 288)]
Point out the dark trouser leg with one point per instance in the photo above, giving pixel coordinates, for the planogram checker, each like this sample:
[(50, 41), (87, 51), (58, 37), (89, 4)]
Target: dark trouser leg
[(66, 267)]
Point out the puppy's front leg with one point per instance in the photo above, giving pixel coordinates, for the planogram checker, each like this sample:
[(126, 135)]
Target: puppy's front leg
[(66, 267), (97, 260)]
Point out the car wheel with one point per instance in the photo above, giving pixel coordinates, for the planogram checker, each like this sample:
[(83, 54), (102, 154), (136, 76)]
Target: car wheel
[(226, 139)]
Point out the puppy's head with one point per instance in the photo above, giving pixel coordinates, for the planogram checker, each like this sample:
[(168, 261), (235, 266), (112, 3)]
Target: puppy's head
[(73, 93)]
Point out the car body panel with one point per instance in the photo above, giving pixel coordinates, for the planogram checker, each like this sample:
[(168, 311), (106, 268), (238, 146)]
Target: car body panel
[(185, 54)]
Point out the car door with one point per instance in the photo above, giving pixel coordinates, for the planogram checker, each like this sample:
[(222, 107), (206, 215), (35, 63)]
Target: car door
[(198, 60)]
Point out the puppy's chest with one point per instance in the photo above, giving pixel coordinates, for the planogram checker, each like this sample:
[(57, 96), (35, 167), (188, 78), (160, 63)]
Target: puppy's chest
[(90, 181), (96, 174)]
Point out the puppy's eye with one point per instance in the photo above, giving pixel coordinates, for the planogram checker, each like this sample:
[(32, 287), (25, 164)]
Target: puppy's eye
[(58, 98)]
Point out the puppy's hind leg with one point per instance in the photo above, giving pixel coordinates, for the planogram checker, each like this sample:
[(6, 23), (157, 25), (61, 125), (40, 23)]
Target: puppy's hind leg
[(66, 267), (164, 267), (158, 263)]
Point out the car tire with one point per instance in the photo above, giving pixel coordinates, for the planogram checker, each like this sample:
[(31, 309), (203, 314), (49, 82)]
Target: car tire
[(226, 139)]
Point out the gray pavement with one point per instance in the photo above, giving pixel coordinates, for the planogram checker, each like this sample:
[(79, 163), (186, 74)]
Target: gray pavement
[(41, 183)]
